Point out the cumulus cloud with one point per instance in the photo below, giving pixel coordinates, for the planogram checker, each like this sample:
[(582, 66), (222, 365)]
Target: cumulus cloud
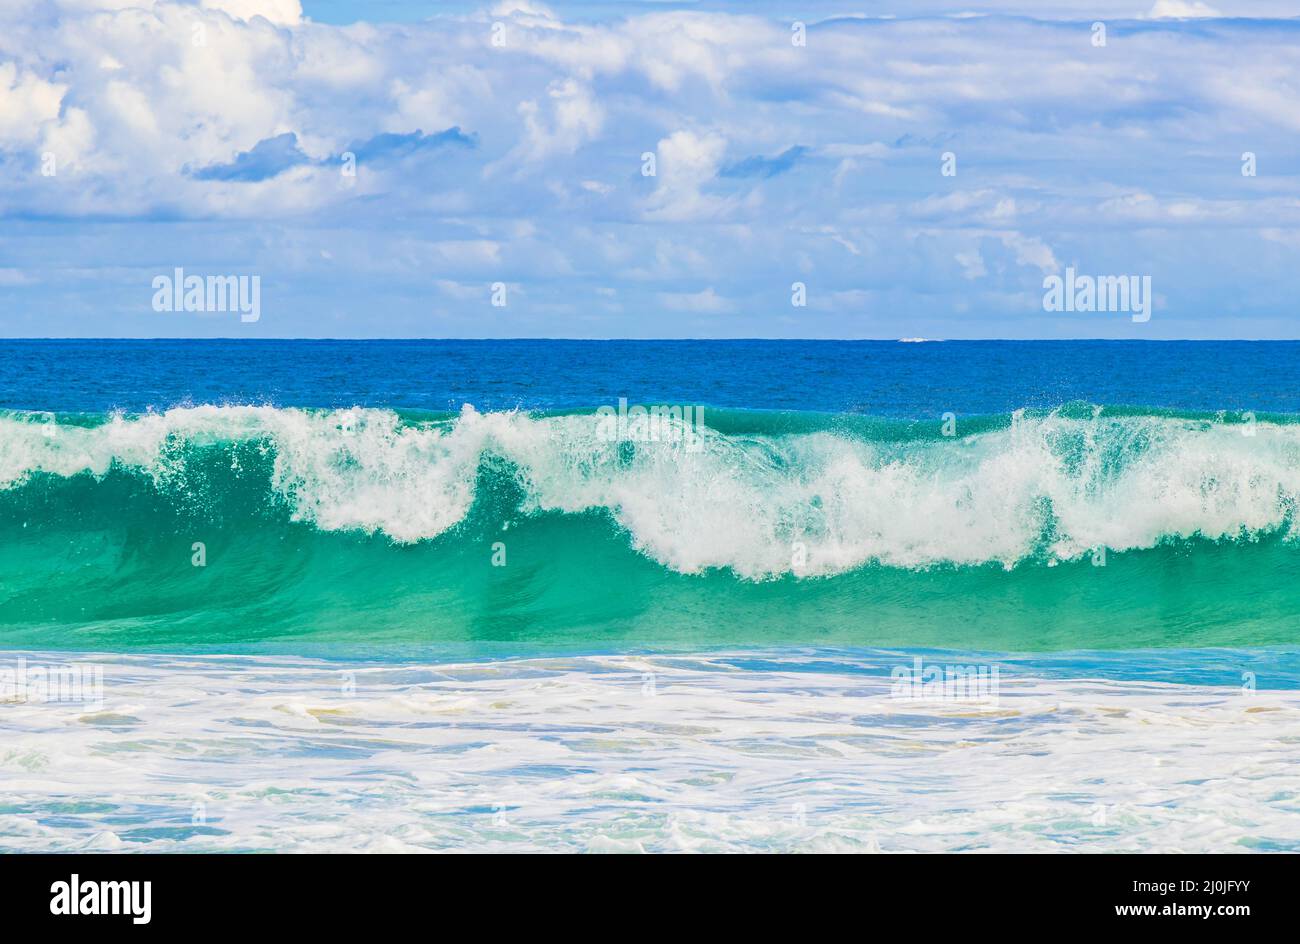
[(560, 123), (27, 103), (686, 161), (521, 161), (276, 11)]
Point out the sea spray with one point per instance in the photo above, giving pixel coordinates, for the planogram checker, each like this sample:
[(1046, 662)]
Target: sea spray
[(373, 528), (1047, 486)]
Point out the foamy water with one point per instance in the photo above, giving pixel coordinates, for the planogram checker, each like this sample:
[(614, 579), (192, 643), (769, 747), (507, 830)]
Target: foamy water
[(785, 751), (1048, 485)]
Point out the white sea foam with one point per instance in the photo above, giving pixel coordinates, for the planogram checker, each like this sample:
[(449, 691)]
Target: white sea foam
[(813, 503), (803, 751)]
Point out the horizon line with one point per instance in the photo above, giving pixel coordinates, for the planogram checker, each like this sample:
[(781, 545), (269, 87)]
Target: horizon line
[(886, 340)]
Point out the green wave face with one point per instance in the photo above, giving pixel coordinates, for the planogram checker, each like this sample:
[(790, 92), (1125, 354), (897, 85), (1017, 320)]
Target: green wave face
[(367, 531)]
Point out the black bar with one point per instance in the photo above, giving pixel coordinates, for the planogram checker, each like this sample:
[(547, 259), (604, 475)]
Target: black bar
[(216, 893)]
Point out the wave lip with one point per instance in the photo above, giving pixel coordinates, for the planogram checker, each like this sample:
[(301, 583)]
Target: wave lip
[(763, 500)]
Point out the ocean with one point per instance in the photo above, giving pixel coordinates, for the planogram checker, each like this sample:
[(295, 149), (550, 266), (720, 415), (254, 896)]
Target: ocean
[(641, 596)]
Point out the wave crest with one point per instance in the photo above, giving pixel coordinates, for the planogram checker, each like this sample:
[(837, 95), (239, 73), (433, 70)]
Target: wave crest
[(1047, 487)]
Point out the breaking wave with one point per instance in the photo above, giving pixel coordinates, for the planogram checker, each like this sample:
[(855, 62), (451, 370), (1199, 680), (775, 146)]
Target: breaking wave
[(759, 495)]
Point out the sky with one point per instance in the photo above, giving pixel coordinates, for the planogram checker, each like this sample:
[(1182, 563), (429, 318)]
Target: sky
[(396, 168)]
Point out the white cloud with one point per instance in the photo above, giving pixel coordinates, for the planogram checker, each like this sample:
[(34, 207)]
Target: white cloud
[(1183, 9), (1030, 251), (277, 11), (1063, 149), (686, 161), (566, 119), (26, 102), (972, 264), (706, 302)]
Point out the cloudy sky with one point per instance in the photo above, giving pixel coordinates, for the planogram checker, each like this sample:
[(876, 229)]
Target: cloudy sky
[(504, 144)]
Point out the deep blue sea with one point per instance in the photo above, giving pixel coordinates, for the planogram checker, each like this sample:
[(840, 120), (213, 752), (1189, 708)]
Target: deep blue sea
[(883, 378)]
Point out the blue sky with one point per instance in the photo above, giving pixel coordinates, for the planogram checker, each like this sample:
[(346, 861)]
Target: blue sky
[(138, 136)]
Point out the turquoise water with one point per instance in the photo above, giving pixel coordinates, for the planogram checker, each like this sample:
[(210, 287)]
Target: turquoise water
[(337, 596), (371, 531)]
